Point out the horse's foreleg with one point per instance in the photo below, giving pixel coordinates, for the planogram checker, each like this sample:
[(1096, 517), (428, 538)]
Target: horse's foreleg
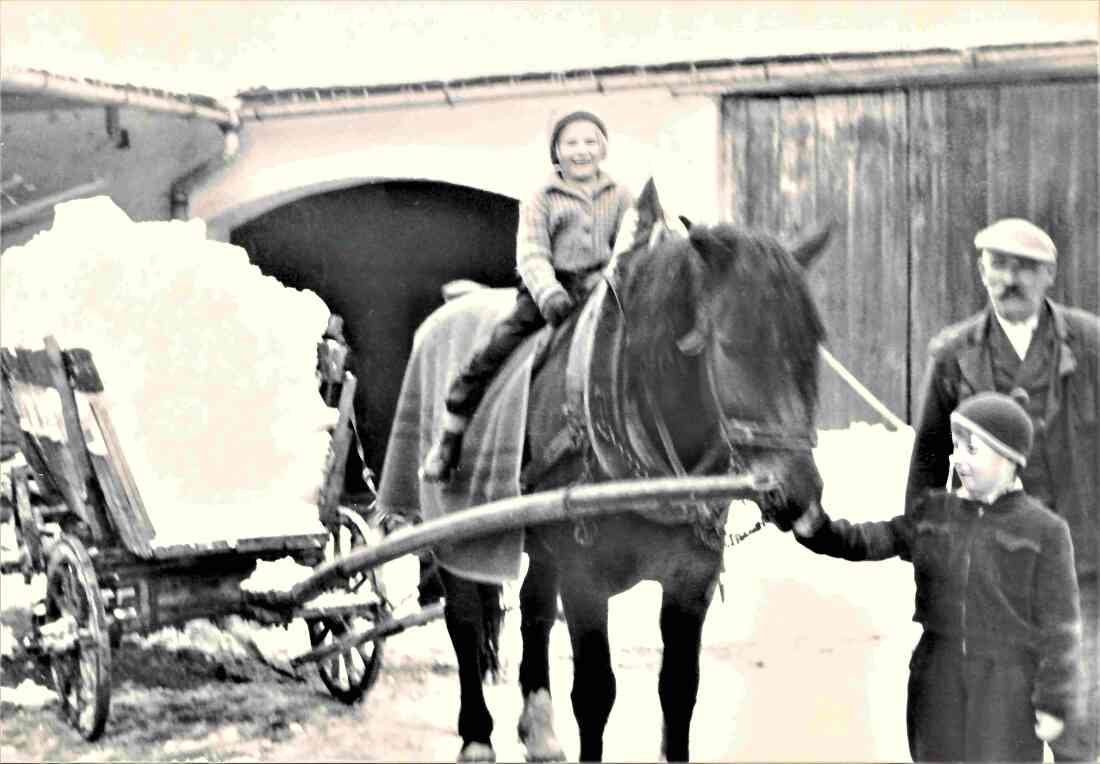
[(593, 678), (538, 602), (538, 605), (678, 685), (462, 611)]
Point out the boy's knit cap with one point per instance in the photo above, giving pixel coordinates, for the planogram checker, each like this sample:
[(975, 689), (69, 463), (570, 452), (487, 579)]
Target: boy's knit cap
[(567, 119), (1000, 420)]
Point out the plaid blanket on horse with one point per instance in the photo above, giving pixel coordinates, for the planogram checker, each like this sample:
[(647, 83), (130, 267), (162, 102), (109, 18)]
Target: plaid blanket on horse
[(492, 451)]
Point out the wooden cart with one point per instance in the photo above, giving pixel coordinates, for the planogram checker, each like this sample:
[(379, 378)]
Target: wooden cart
[(80, 520)]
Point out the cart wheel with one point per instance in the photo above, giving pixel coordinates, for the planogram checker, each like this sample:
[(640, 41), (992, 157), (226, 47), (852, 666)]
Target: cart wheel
[(76, 637), (349, 674), (353, 531)]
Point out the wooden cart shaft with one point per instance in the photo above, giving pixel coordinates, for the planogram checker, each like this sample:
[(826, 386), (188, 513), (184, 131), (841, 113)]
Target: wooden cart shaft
[(570, 503)]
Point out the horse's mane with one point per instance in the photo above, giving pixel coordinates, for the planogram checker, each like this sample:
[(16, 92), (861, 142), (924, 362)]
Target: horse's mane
[(663, 284), (660, 287)]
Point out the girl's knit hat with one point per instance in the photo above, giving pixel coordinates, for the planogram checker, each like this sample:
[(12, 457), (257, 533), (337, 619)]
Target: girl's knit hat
[(1000, 420), (567, 119)]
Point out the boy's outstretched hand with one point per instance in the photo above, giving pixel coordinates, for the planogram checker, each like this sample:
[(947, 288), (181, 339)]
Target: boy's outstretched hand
[(1048, 727), (806, 524)]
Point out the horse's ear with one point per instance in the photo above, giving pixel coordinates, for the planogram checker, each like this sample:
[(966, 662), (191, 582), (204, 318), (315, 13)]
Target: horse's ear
[(686, 222), (648, 204), (813, 245), (714, 253)]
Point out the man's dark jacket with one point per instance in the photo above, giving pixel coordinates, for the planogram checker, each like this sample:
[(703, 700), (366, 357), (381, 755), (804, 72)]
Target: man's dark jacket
[(1067, 427)]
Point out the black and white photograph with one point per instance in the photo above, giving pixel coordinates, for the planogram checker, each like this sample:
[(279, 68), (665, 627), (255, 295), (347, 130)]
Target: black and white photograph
[(548, 380)]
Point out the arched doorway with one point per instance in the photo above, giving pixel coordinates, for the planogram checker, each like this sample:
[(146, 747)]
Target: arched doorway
[(378, 254)]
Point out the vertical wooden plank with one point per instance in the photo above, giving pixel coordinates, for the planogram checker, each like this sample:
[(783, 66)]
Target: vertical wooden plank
[(895, 236), (1044, 163), (762, 164), (968, 187), (797, 167), (1080, 261), (1010, 158), (733, 150), (952, 140), (927, 230), (878, 318), (120, 497), (75, 459), (1051, 151), (333, 482), (866, 235), (835, 144), (1056, 183)]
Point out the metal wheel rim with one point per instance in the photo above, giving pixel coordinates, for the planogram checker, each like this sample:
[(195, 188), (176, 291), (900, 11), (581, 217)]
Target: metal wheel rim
[(82, 674), (349, 674)]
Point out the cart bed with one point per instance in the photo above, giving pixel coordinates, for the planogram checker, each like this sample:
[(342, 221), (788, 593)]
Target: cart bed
[(72, 448)]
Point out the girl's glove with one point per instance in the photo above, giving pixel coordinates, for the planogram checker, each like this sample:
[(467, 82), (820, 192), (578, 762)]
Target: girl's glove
[(1048, 727), (557, 307)]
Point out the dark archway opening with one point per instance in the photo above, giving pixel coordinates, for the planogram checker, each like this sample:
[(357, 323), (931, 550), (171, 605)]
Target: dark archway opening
[(378, 255)]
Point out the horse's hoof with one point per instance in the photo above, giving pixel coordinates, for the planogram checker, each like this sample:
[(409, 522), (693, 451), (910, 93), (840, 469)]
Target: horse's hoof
[(536, 728), (477, 752)]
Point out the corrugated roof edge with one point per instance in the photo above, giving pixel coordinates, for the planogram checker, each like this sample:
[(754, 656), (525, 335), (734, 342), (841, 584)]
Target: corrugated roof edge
[(260, 95), (26, 81)]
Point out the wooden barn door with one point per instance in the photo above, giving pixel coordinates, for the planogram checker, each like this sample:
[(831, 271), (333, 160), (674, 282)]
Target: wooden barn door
[(799, 160), (983, 153), (912, 174)]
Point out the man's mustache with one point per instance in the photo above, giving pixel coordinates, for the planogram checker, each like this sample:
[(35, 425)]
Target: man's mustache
[(1011, 291)]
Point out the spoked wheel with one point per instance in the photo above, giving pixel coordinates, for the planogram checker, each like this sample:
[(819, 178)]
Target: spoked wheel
[(75, 637), (350, 673)]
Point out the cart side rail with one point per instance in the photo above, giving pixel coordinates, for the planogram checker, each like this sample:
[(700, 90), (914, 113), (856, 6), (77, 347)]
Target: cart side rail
[(67, 436)]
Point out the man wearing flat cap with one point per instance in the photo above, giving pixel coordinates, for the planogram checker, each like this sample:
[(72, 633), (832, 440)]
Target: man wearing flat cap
[(1025, 340)]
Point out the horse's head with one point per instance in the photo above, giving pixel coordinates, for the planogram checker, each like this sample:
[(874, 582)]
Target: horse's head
[(728, 312)]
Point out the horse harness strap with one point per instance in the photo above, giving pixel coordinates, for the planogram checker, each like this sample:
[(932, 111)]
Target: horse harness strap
[(599, 420), (738, 432), (604, 424)]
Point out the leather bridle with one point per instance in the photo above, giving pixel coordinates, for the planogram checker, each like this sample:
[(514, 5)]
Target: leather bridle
[(734, 434)]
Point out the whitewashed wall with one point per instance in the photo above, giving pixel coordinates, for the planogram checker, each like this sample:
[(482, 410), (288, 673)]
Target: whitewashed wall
[(498, 146)]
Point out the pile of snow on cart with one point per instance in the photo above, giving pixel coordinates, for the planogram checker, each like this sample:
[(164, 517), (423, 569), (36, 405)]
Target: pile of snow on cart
[(207, 366)]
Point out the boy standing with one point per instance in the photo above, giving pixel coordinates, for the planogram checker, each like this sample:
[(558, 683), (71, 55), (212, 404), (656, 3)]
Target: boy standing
[(997, 669), (566, 235)]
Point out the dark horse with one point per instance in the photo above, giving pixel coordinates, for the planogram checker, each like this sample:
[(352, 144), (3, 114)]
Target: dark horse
[(720, 363)]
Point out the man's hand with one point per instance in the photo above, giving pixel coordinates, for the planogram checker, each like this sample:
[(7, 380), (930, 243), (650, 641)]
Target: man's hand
[(1048, 727), (557, 307)]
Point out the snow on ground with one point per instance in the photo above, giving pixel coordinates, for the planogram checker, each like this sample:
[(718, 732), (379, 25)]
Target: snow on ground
[(814, 648), (824, 643)]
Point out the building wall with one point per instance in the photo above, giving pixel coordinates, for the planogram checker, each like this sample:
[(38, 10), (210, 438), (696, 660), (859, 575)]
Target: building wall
[(376, 211), (499, 147), (59, 149)]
